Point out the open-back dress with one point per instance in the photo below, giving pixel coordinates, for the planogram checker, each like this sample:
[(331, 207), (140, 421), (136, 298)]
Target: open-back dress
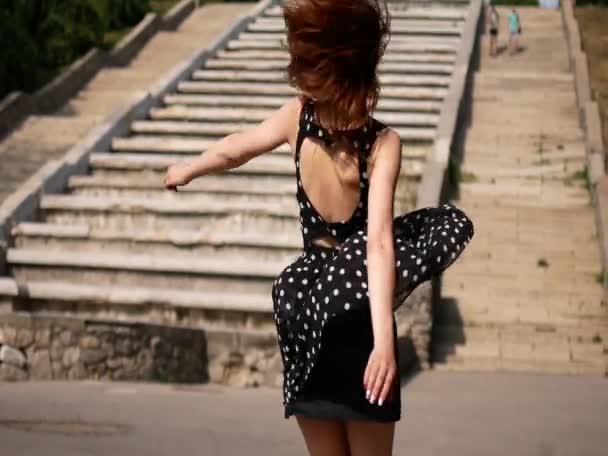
[(320, 301)]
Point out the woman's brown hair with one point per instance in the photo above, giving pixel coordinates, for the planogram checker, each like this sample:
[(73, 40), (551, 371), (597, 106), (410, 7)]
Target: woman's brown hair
[(335, 47)]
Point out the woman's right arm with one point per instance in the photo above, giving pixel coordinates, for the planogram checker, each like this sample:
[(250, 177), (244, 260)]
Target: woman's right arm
[(238, 148), (386, 165)]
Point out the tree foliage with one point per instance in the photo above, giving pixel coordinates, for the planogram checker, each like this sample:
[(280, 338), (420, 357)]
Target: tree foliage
[(40, 37)]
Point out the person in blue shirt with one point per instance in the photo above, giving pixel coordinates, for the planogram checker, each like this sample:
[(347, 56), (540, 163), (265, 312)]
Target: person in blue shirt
[(514, 32)]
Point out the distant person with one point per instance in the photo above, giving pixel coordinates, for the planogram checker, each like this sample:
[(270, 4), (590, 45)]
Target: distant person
[(514, 31), (493, 26)]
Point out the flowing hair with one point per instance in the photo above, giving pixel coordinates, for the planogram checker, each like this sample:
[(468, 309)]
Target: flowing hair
[(335, 47)]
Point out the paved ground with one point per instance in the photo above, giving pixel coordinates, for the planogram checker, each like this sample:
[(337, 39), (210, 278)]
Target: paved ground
[(443, 414)]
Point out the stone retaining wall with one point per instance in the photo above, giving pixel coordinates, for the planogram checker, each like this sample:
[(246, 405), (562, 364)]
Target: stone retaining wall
[(45, 348), (434, 183), (589, 118)]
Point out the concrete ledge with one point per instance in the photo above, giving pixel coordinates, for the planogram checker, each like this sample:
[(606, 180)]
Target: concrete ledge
[(581, 76), (430, 189), (57, 92), (601, 200), (13, 108), (176, 15), (590, 121), (16, 105), (135, 40)]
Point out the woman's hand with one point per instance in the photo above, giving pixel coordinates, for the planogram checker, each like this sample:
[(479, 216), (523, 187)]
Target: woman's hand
[(380, 373), (176, 175)]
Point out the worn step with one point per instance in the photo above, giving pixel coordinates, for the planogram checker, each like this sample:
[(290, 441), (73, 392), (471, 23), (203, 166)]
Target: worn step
[(201, 243), (264, 26), (248, 189), (540, 333), (391, 79), (128, 213), (399, 30), (255, 102), (196, 127), (443, 45), (249, 116), (272, 164), (262, 88), (120, 269), (243, 312), (398, 12), (180, 144), (462, 364), (281, 64), (265, 54)]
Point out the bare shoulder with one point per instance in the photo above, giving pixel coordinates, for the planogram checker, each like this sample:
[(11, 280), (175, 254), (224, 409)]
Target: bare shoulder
[(387, 146), (291, 114)]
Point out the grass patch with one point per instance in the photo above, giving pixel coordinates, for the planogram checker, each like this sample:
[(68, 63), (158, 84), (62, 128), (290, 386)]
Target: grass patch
[(542, 161), (599, 277), (593, 24)]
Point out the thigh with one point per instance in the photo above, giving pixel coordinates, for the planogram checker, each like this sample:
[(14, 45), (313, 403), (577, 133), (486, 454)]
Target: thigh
[(324, 437), (369, 438)]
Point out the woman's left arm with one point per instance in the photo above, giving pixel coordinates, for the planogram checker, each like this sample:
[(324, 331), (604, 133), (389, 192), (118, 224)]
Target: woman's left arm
[(237, 148)]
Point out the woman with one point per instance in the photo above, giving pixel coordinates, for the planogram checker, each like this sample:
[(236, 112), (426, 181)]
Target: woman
[(333, 306), (514, 32), (493, 25)]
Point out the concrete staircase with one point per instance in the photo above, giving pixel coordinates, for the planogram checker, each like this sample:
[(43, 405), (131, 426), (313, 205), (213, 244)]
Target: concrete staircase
[(117, 245), (526, 296), (44, 137)]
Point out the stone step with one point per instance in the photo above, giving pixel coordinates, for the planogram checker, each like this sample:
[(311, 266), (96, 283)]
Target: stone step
[(392, 58), (212, 310), (255, 102), (248, 116), (410, 12), (223, 183), (281, 64), (196, 127), (261, 88), (156, 271), (180, 144), (252, 189), (538, 334), (250, 246), (240, 76), (400, 29), (511, 311), (523, 350), (272, 164), (467, 364), (128, 213), (443, 45)]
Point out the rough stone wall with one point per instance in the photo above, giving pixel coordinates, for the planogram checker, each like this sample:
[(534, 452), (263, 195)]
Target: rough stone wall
[(68, 348), (414, 320)]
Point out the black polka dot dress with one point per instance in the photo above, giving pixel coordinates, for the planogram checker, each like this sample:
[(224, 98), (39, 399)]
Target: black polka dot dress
[(320, 301)]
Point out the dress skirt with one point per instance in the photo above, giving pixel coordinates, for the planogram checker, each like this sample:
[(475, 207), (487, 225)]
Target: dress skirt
[(323, 316)]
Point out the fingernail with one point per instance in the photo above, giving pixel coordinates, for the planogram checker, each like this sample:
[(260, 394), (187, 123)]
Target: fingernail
[(367, 394), (372, 399), (380, 402)]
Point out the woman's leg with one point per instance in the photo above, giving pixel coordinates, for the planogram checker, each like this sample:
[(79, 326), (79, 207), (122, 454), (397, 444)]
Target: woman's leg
[(370, 438), (324, 437)]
